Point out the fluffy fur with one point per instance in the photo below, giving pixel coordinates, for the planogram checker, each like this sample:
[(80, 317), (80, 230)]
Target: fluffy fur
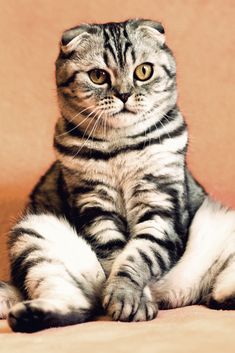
[(106, 226)]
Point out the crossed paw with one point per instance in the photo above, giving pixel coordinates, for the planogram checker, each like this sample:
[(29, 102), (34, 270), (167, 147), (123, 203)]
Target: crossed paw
[(125, 302)]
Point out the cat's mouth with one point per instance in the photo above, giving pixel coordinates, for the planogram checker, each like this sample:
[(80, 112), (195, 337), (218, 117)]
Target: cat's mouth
[(124, 110)]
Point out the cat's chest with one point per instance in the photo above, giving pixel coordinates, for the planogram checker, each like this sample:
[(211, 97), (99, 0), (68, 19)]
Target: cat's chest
[(128, 168), (116, 183)]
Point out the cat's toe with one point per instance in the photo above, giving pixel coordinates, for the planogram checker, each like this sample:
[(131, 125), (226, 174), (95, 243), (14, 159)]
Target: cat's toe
[(146, 311), (120, 299)]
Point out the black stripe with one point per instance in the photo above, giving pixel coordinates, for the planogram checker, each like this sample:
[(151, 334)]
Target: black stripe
[(24, 270), (161, 263), (180, 227), (82, 190), (108, 46), (133, 55), (162, 179), (66, 56), (168, 72), (90, 182), (105, 250), (147, 261), (69, 80), (166, 244), (127, 275), (127, 46), (156, 211), (105, 57), (86, 188), (91, 214), (19, 232), (89, 153), (105, 230), (19, 270), (102, 194), (77, 283), (115, 32)]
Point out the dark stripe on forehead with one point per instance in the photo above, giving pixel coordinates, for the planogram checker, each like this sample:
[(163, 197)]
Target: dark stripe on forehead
[(108, 46), (118, 43), (133, 55), (116, 37), (105, 57), (126, 47)]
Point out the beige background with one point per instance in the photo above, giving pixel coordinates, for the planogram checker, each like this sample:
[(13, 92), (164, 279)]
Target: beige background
[(201, 34)]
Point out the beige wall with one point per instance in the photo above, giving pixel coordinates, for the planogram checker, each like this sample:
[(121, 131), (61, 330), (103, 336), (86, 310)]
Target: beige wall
[(201, 34)]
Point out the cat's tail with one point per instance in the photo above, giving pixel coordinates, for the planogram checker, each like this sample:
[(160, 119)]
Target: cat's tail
[(9, 296), (206, 271)]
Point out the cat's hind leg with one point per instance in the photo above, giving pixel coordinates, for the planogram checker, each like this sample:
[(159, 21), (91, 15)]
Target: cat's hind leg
[(56, 270), (206, 272)]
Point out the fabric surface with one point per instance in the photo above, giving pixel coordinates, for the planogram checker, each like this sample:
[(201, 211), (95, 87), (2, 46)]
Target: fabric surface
[(201, 34), (185, 330)]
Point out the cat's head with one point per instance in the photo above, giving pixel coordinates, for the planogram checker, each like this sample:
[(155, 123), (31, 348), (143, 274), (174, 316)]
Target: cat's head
[(118, 72)]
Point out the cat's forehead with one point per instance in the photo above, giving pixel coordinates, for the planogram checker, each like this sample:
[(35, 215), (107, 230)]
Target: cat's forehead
[(123, 45), (117, 46)]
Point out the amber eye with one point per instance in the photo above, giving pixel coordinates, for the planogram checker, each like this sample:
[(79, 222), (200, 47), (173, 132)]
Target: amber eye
[(143, 72), (98, 76)]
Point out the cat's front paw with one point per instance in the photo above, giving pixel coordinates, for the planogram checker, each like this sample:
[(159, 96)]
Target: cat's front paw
[(121, 299)]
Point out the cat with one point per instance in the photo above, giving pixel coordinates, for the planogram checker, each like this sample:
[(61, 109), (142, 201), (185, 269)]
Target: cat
[(118, 224)]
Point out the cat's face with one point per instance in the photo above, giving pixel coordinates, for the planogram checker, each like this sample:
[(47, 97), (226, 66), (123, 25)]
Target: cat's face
[(119, 73)]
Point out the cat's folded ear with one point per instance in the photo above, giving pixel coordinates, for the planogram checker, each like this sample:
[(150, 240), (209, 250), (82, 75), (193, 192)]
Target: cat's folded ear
[(72, 38), (151, 28)]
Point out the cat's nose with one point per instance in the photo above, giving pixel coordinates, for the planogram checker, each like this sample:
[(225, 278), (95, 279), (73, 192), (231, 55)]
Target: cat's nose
[(123, 96)]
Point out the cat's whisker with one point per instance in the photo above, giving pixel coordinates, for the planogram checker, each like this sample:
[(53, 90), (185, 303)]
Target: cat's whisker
[(85, 134), (81, 122), (80, 112), (96, 124), (165, 129)]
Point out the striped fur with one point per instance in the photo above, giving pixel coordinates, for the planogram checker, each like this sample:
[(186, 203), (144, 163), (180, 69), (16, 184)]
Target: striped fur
[(111, 217)]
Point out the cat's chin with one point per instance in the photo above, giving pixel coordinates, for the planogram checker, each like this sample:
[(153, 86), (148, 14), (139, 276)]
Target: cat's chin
[(121, 119)]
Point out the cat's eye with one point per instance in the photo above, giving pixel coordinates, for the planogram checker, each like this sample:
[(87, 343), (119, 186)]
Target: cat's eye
[(98, 76), (143, 72)]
